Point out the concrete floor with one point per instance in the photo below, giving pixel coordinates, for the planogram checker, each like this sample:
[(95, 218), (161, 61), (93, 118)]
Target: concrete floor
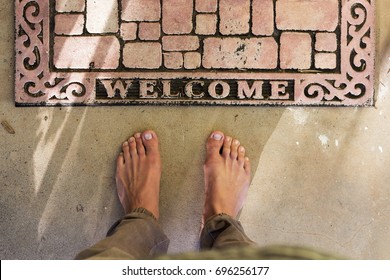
[(320, 175)]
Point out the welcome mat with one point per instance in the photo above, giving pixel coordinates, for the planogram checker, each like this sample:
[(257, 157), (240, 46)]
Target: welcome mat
[(195, 52)]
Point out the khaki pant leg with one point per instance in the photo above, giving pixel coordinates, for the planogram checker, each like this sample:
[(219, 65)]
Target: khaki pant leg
[(222, 231), (136, 236)]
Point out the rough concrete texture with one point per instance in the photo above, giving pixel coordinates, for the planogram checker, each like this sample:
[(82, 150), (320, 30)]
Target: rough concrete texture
[(320, 175)]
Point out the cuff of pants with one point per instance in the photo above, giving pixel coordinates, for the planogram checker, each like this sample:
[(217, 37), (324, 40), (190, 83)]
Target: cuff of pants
[(222, 231), (136, 236)]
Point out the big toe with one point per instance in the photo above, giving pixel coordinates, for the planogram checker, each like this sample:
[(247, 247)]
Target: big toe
[(150, 141), (215, 143)]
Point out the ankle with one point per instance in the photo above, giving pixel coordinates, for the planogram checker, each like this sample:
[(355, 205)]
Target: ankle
[(144, 211)]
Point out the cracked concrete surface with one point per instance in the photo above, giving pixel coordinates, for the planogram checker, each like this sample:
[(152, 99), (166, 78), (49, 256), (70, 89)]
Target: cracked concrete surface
[(320, 175)]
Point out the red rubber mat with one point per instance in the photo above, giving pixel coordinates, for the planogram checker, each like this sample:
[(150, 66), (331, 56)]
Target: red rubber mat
[(202, 52)]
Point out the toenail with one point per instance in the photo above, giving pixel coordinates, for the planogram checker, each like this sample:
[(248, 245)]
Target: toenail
[(242, 149), (217, 136), (236, 142), (148, 136), (131, 140), (229, 139), (125, 143), (137, 135)]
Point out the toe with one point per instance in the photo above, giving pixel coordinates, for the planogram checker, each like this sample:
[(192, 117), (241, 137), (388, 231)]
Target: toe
[(226, 146), (132, 147), (140, 145), (214, 143), (247, 165), (120, 162), (126, 152), (241, 155), (150, 141), (234, 149)]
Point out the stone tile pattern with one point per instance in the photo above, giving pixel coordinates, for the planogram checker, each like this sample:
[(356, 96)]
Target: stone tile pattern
[(261, 35)]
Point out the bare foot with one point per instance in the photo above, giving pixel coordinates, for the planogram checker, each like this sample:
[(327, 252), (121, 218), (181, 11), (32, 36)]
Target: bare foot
[(138, 173), (227, 176)]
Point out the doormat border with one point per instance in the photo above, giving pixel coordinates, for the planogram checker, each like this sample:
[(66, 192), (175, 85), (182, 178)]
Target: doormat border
[(36, 85)]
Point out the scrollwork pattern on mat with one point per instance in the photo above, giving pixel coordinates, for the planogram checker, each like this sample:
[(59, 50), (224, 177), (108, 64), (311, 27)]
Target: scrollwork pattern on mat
[(356, 78), (32, 52)]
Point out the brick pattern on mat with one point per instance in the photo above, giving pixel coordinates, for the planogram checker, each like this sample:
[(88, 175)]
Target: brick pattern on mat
[(196, 28)]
